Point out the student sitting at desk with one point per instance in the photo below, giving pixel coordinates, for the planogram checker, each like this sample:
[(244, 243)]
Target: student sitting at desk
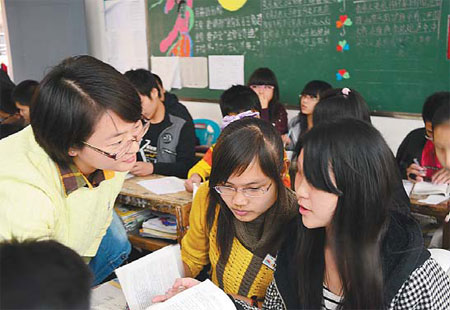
[(417, 149), (236, 102), (237, 218), (10, 120), (168, 147), (43, 275), (264, 82), (300, 124), (441, 139), (60, 176), (22, 96)]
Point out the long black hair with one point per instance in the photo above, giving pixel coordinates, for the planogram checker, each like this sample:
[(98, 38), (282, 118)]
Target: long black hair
[(340, 103), (239, 144), (364, 170), (313, 88), (265, 76)]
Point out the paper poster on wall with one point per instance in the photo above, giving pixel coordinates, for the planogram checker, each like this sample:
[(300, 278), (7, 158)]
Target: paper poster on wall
[(168, 69), (194, 72), (225, 71), (126, 38)]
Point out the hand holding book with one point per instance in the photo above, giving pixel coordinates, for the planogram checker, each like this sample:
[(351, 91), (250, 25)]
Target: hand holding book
[(180, 285)]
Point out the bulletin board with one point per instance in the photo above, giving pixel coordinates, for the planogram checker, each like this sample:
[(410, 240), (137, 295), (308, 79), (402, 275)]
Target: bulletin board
[(394, 52)]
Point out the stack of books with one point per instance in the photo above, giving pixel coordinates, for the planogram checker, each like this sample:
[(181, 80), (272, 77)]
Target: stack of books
[(133, 217), (163, 226)]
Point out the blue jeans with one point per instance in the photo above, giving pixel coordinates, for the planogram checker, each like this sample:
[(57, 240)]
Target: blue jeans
[(112, 252)]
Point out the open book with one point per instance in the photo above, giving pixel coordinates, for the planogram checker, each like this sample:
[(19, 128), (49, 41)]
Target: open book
[(155, 273), (428, 188), (436, 193), (204, 296)]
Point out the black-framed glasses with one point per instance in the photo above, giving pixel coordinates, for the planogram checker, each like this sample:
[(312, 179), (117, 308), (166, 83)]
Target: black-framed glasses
[(247, 192), (126, 145)]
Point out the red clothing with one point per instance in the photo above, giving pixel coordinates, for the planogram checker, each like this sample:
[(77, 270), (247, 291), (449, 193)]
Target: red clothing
[(279, 119), (429, 158)]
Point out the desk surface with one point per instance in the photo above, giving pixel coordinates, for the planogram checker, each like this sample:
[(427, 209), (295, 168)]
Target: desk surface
[(439, 211), (178, 204), (132, 189)]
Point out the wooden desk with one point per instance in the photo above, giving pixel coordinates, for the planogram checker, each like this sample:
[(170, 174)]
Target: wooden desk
[(178, 204), (439, 211)]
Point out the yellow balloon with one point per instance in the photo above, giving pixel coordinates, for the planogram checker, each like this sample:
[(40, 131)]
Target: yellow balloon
[(232, 5)]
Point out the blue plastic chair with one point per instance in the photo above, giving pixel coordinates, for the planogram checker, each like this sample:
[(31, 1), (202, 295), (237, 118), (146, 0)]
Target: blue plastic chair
[(207, 131)]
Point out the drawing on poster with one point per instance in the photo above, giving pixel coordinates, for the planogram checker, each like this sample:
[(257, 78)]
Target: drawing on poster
[(178, 42)]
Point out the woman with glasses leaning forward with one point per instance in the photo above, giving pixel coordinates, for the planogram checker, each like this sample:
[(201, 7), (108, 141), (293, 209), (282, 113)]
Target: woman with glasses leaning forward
[(60, 176), (237, 218)]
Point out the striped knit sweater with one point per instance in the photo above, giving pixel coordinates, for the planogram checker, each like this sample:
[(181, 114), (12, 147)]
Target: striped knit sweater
[(243, 273)]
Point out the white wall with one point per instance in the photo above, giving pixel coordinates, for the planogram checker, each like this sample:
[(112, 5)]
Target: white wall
[(393, 130), (96, 32)]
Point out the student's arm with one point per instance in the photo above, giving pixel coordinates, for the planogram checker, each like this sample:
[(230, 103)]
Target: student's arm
[(185, 154), (195, 244), (428, 287), (25, 212), (203, 167)]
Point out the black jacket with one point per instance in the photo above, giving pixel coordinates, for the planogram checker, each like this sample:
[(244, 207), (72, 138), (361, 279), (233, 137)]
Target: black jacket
[(174, 107), (402, 252), (185, 149), (411, 147)]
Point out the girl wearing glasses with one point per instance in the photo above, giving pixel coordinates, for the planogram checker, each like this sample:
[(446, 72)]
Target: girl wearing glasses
[(349, 248), (237, 218), (265, 85)]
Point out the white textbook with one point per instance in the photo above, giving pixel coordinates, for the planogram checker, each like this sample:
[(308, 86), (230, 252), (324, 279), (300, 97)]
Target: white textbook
[(150, 275), (203, 296), (155, 273), (428, 188)]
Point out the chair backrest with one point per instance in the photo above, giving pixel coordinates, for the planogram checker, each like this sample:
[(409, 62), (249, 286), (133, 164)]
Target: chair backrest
[(442, 257), (206, 130)]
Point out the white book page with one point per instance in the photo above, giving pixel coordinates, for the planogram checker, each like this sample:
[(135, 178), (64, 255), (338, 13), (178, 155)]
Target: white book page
[(407, 185), (428, 188), (434, 199), (108, 296), (163, 186), (150, 275), (204, 296)]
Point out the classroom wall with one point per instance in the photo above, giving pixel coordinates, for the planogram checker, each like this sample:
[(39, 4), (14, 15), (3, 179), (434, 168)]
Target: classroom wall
[(393, 129), (42, 33)]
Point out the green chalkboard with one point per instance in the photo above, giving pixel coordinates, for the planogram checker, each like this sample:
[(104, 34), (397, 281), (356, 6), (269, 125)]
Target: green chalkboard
[(395, 52)]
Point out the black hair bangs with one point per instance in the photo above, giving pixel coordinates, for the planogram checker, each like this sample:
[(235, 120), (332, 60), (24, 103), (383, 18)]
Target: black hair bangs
[(319, 165), (263, 76), (243, 143)]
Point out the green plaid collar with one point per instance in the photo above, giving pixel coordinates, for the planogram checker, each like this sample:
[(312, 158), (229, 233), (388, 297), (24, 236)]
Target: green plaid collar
[(72, 178)]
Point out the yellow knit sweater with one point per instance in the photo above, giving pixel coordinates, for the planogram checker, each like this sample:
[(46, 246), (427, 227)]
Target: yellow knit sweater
[(199, 248)]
